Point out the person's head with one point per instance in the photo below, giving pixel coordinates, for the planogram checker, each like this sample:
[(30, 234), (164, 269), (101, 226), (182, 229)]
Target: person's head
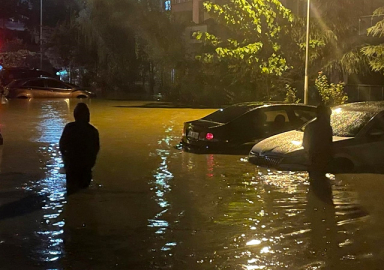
[(323, 112), (279, 119), (81, 113)]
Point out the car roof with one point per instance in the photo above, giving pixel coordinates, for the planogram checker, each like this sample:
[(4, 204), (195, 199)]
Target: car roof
[(21, 68), (256, 104), (265, 104), (369, 106), (35, 78)]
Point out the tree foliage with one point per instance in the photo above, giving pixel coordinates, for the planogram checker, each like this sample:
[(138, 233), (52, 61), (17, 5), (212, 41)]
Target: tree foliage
[(291, 95), (126, 45), (254, 29), (331, 93), (375, 52)]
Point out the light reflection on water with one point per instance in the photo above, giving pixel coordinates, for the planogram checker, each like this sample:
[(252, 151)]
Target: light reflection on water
[(52, 187), (204, 212), (244, 218), (161, 187)]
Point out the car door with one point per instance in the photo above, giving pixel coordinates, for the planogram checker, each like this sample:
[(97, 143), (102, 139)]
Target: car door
[(277, 121), (368, 150), (36, 87), (58, 89), (260, 123)]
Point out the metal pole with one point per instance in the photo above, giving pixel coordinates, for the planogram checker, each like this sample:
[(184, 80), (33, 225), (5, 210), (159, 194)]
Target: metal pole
[(41, 34), (306, 58)]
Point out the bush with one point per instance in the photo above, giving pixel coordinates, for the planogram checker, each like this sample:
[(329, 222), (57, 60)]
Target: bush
[(290, 96), (331, 94)]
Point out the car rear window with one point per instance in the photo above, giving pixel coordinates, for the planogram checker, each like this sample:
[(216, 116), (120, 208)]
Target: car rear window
[(347, 123), (228, 114)]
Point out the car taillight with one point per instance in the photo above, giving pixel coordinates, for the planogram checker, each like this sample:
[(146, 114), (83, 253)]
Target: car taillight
[(209, 136)]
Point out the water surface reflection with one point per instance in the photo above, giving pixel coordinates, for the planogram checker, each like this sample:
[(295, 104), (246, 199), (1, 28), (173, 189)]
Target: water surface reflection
[(152, 206)]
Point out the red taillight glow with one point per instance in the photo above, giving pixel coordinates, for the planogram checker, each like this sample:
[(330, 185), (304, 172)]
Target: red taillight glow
[(209, 136)]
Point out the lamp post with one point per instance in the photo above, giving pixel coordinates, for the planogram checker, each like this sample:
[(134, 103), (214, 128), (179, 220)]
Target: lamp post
[(41, 34), (306, 57)]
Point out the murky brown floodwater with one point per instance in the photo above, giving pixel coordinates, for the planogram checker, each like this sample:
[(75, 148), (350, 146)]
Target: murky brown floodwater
[(152, 206)]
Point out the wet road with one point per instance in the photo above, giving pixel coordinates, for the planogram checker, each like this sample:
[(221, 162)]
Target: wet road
[(152, 206)]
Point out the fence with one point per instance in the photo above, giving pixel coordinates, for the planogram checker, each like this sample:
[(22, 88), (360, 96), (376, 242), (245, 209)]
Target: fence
[(364, 92)]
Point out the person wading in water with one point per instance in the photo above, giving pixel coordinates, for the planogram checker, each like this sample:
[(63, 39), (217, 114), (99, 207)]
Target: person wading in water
[(317, 143), (79, 146)]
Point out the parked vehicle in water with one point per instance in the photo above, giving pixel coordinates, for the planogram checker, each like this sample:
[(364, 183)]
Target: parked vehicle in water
[(1, 148), (358, 142), (44, 87), (7, 75), (236, 128)]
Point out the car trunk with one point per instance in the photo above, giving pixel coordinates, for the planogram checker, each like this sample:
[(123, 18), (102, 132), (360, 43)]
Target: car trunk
[(197, 130)]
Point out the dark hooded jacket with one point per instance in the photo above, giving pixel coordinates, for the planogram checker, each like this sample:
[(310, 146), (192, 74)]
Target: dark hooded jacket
[(79, 143)]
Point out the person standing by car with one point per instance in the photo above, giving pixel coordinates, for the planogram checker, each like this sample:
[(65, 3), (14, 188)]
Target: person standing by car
[(317, 141), (79, 146)]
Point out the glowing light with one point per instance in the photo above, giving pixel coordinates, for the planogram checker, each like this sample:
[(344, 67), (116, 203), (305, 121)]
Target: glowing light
[(209, 136), (297, 143), (254, 242), (338, 110), (253, 267), (265, 250)]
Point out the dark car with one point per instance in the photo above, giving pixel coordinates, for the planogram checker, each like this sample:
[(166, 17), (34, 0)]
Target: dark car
[(358, 142), (44, 88), (1, 147), (7, 75), (235, 129)]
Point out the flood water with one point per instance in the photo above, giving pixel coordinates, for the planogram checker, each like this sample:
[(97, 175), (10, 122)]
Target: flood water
[(152, 206)]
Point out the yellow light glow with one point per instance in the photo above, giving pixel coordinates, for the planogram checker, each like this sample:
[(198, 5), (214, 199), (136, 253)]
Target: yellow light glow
[(338, 110), (253, 242), (265, 250), (297, 143)]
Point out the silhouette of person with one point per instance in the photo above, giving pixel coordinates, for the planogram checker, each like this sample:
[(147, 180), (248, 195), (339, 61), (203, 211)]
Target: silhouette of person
[(79, 146), (278, 124), (317, 142)]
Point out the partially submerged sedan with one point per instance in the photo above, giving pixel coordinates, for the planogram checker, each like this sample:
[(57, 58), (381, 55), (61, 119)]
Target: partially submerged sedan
[(235, 129), (44, 87), (358, 142)]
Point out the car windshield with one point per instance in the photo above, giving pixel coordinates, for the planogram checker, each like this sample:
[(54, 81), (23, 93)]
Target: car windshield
[(228, 114), (347, 123)]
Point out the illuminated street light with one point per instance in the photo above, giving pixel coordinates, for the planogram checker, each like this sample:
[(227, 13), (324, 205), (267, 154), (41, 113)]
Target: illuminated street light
[(306, 58)]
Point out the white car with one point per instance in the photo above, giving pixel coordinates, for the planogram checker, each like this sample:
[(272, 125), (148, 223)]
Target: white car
[(358, 142)]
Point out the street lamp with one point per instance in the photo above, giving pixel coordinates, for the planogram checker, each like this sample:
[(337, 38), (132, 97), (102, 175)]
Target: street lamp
[(306, 58), (41, 34)]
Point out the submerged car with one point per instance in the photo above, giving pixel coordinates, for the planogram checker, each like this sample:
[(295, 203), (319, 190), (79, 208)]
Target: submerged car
[(7, 75), (358, 142), (44, 87), (236, 128)]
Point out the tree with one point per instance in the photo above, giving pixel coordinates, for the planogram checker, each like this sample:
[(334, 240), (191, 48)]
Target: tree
[(128, 52), (342, 52), (248, 44), (54, 12), (375, 53)]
